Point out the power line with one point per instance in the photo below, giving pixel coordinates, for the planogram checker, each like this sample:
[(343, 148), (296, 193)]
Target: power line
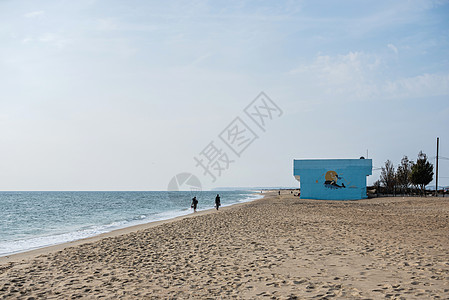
[(439, 157)]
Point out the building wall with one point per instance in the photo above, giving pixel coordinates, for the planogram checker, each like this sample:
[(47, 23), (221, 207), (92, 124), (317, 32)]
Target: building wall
[(332, 179)]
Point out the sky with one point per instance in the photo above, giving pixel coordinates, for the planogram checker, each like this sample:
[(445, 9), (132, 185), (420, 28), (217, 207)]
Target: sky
[(126, 95)]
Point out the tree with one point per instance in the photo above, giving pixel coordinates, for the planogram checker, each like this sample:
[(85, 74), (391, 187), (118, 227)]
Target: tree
[(422, 172), (403, 173), (376, 185), (387, 177)]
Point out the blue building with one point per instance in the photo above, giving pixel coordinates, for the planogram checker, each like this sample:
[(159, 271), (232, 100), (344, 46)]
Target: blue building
[(332, 179)]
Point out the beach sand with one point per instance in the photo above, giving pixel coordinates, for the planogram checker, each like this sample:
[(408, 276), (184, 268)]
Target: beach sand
[(279, 247)]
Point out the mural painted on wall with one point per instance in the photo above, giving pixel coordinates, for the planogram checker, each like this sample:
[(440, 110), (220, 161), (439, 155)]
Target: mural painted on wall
[(331, 181)]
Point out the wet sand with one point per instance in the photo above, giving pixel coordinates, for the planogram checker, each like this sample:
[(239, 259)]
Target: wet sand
[(276, 247)]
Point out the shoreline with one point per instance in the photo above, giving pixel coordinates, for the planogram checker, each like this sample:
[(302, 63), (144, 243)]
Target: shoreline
[(277, 247), (27, 254)]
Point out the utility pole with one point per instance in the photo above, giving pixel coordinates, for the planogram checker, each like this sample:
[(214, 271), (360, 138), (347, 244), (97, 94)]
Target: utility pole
[(436, 178)]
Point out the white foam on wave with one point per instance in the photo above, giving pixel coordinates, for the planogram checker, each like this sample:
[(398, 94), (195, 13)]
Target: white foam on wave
[(23, 245), (248, 198)]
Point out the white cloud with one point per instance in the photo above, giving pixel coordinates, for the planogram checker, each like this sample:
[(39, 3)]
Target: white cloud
[(393, 47), (361, 76), (34, 14), (201, 59), (55, 40), (27, 40), (48, 37), (347, 76), (107, 25), (424, 85)]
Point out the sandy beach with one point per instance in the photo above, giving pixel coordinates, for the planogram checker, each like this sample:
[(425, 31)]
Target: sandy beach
[(279, 247)]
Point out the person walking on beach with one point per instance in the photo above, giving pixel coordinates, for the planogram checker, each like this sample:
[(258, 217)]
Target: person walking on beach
[(194, 203), (217, 201)]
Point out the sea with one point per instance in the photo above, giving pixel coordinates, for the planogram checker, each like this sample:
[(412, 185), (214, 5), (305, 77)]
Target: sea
[(32, 220)]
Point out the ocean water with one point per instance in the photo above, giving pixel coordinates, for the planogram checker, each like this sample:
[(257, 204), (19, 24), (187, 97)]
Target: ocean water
[(31, 220)]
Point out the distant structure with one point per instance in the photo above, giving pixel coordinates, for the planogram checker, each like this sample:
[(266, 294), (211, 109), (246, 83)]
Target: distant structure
[(332, 179)]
